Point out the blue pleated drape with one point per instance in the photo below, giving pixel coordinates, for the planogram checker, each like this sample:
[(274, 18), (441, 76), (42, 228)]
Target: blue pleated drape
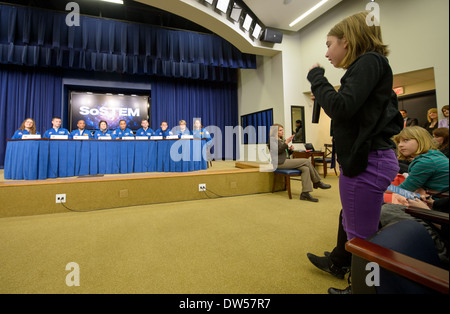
[(27, 94), (216, 104), (261, 122), (33, 37)]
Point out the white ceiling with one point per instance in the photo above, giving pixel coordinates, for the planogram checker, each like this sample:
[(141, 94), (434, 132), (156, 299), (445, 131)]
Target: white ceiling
[(280, 13)]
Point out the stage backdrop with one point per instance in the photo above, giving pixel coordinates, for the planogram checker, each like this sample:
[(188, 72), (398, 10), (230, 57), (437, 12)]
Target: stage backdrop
[(94, 107)]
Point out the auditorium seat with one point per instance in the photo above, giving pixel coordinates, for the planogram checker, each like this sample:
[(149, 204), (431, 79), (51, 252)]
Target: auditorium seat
[(287, 174), (407, 258)]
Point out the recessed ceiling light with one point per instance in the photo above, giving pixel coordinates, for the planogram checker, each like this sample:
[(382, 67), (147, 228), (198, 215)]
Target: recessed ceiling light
[(247, 22), (114, 1), (314, 8)]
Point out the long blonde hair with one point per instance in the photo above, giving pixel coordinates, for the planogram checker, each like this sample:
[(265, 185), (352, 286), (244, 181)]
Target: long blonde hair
[(430, 111), (274, 130), (33, 128), (422, 136), (361, 38)]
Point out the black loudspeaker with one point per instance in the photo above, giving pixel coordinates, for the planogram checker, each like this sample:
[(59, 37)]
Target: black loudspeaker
[(272, 36)]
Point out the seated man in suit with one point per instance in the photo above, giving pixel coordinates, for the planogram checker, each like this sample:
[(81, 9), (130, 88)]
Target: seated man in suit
[(81, 131), (123, 131), (56, 129), (408, 121)]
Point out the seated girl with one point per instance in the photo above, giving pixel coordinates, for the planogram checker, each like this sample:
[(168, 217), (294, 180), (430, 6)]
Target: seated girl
[(428, 169), (28, 127)]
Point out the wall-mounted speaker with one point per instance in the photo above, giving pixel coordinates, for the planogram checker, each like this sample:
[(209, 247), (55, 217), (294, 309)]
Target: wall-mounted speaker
[(272, 36)]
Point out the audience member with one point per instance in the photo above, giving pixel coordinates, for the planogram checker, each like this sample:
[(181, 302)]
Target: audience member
[(28, 127), (444, 122), (408, 121), (440, 136), (432, 117), (429, 168), (280, 152), (57, 129)]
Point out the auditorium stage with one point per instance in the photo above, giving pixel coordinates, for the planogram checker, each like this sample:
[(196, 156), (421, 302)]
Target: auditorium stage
[(89, 193)]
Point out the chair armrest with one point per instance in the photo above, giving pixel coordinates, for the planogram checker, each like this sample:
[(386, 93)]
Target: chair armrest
[(423, 273), (430, 215)]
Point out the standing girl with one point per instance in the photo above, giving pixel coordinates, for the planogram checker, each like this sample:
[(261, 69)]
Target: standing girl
[(365, 116)]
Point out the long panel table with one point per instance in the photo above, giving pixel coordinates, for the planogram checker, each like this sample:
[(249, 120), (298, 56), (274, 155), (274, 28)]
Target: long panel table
[(40, 159)]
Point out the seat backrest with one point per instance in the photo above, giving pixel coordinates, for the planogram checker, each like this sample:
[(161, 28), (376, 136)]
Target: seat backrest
[(407, 237)]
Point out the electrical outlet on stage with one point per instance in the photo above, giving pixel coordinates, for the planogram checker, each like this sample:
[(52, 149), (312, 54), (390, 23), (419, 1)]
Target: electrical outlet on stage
[(60, 198), (202, 187)]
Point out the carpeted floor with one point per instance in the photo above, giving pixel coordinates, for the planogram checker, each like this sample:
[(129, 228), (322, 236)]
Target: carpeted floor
[(253, 244)]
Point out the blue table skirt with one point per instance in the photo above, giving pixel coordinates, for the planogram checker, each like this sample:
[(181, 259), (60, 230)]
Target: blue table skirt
[(42, 159)]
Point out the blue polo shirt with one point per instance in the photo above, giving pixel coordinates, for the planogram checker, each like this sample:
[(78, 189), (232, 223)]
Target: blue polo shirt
[(142, 132), (18, 134), (107, 133), (204, 134), (162, 133), (119, 133), (180, 133), (60, 131), (81, 133)]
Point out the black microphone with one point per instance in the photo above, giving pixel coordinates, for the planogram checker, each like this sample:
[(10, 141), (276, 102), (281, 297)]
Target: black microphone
[(316, 112)]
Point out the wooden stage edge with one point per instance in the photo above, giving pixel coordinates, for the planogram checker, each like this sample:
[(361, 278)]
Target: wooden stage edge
[(90, 193)]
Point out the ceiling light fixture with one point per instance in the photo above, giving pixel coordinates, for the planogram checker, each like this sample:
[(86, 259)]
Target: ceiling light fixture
[(257, 31), (222, 5), (114, 1), (314, 8), (247, 22), (236, 12)]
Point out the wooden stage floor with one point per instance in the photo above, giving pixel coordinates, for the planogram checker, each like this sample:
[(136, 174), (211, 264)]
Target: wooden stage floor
[(224, 178)]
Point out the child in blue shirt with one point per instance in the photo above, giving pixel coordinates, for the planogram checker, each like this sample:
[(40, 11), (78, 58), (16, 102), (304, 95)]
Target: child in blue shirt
[(28, 127)]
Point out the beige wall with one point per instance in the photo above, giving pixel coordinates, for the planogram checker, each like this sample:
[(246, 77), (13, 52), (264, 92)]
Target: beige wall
[(415, 30)]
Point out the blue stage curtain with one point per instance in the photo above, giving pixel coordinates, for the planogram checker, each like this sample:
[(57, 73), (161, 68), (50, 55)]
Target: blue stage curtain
[(258, 119), (215, 103), (34, 37), (27, 93)]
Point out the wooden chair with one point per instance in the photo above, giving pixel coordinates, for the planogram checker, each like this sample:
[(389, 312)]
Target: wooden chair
[(420, 274), (287, 174), (326, 159)]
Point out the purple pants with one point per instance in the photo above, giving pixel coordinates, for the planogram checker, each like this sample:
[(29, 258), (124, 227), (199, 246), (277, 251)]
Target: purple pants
[(362, 195)]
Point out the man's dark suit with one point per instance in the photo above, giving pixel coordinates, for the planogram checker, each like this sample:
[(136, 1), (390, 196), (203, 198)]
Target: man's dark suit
[(411, 122)]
